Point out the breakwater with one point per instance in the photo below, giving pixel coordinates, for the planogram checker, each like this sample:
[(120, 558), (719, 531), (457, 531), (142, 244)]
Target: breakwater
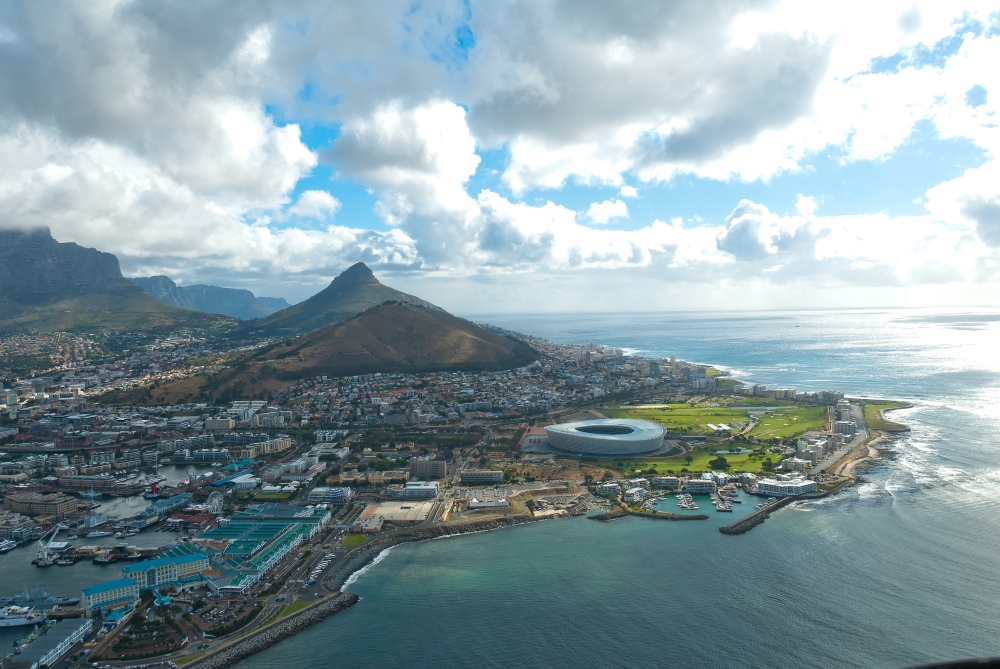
[(266, 637), (666, 515), (756, 518)]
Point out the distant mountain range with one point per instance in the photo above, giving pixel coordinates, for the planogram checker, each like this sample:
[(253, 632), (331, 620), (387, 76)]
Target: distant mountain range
[(50, 286), (392, 337), (233, 302), (355, 290)]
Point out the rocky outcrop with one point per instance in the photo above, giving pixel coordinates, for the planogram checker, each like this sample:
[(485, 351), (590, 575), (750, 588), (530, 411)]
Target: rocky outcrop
[(234, 302), (262, 639), (35, 269)]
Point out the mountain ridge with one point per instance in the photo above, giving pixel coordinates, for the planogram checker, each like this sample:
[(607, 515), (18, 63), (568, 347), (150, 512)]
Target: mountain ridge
[(234, 302), (389, 338)]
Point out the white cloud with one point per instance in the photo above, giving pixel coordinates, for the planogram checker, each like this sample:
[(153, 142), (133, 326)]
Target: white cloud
[(151, 131), (315, 204), (602, 212)]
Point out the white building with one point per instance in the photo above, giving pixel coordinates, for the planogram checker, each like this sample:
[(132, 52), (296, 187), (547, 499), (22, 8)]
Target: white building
[(776, 488), (666, 482), (635, 495), (413, 490), (700, 486), (609, 489), (328, 495)]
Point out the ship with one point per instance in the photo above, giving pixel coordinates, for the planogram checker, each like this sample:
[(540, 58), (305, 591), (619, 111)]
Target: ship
[(15, 616), (95, 535), (40, 600), (152, 494), (7, 545)]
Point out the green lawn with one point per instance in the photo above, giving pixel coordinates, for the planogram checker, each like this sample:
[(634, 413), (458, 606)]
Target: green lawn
[(187, 658), (352, 540), (699, 463), (872, 409), (293, 607), (686, 419), (786, 424)]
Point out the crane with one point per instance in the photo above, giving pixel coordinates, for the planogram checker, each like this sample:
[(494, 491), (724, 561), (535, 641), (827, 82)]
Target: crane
[(43, 556)]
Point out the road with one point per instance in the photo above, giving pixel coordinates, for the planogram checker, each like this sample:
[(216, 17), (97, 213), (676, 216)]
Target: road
[(862, 434)]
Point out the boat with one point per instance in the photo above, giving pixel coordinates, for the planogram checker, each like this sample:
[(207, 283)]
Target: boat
[(152, 493), (40, 600), (7, 545), (95, 535), (15, 616), (65, 562), (105, 558)]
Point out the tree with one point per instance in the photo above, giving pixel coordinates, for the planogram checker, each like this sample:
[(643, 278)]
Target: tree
[(607, 476), (719, 463), (688, 458), (767, 465), (588, 478)]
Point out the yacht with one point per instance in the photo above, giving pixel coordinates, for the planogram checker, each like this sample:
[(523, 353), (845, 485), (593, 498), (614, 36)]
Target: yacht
[(7, 545), (95, 535)]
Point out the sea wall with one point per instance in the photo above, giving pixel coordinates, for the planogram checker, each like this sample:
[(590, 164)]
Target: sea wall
[(266, 637)]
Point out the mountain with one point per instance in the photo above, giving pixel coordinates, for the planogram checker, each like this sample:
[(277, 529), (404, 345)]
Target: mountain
[(46, 285), (392, 337), (233, 302), (355, 290)]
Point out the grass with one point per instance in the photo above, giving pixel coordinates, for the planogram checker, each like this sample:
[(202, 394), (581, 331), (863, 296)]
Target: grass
[(686, 419), (352, 540), (274, 496), (876, 422), (786, 424), (187, 658), (292, 608), (699, 463)]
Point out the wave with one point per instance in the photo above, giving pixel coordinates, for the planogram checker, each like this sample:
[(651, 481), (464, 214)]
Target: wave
[(356, 575)]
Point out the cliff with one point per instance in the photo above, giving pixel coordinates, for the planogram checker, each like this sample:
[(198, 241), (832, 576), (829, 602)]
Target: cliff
[(46, 285)]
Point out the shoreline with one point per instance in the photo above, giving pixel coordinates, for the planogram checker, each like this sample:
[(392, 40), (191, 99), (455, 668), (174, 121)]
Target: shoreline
[(366, 556)]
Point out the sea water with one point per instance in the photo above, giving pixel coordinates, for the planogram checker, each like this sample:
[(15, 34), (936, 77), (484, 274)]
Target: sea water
[(900, 570)]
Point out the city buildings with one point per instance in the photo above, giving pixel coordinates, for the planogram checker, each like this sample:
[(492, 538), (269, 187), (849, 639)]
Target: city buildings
[(330, 495)]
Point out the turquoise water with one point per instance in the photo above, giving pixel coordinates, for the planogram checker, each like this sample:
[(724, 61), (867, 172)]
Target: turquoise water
[(900, 570)]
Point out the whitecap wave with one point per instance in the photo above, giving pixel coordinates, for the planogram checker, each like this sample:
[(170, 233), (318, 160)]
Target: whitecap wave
[(356, 575)]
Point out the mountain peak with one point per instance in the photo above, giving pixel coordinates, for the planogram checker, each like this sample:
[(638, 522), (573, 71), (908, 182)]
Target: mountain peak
[(358, 273)]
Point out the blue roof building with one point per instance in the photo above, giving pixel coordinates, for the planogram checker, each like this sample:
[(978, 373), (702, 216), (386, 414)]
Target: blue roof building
[(110, 593)]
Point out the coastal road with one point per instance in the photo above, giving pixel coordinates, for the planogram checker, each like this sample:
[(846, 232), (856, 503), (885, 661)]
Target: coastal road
[(862, 434)]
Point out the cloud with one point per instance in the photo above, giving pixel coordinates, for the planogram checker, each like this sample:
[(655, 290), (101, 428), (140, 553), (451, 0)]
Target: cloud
[(602, 212), (173, 136), (315, 204), (986, 214)]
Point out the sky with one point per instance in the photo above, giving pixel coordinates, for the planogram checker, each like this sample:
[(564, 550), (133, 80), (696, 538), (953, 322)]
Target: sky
[(512, 157)]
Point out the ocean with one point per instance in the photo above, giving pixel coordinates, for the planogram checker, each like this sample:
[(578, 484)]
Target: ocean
[(900, 570)]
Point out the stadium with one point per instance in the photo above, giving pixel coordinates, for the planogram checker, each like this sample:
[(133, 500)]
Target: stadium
[(608, 437)]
